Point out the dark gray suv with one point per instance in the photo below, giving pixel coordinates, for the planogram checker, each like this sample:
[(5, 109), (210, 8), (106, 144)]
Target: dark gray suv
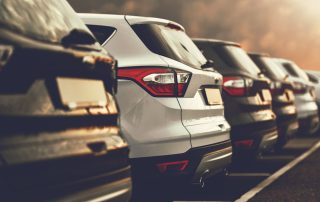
[(59, 134), (246, 96)]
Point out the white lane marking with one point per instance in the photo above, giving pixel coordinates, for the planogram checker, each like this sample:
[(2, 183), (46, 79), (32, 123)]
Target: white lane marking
[(249, 174), (251, 193), (201, 201), (109, 196)]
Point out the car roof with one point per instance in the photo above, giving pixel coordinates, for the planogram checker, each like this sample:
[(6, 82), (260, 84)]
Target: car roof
[(216, 41), (259, 54), (131, 19)]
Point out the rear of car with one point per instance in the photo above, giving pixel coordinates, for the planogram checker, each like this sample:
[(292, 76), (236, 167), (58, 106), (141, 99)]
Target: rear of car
[(246, 96), (304, 97), (282, 97), (314, 78), (59, 134), (172, 112)]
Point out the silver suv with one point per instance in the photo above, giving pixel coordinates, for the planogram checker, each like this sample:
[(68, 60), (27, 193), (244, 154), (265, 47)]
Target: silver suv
[(304, 96), (172, 113)]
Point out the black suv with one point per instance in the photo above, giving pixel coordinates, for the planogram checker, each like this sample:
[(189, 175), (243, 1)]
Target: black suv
[(247, 98), (282, 97), (59, 134)]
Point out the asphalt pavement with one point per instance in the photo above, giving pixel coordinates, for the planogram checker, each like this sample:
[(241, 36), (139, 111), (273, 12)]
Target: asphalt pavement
[(300, 183)]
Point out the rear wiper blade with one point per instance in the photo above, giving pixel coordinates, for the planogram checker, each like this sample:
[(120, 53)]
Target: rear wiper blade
[(78, 36)]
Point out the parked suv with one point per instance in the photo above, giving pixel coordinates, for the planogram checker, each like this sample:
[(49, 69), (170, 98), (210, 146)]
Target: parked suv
[(314, 78), (282, 97), (304, 97), (171, 109), (59, 134), (246, 95)]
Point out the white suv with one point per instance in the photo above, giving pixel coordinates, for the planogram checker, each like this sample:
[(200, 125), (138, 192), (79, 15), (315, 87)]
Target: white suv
[(172, 113)]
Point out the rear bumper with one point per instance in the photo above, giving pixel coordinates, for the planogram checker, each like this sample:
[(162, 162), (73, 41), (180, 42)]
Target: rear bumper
[(203, 162), (113, 186), (251, 139), (309, 124), (118, 191), (288, 126)]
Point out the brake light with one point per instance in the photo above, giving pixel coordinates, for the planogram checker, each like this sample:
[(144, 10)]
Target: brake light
[(299, 88), (244, 143), (237, 86), (173, 166), (276, 88), (160, 82)]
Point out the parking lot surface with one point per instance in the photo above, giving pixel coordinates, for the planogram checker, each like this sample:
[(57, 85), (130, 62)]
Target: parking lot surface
[(300, 183)]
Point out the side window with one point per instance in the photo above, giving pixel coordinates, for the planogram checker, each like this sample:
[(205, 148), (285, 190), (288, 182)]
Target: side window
[(102, 33), (290, 70)]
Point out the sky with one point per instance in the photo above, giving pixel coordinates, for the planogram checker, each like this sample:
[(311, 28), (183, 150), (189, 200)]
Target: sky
[(282, 28)]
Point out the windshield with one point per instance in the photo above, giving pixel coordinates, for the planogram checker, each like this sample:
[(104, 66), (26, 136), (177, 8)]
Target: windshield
[(171, 43), (242, 59), (273, 68), (45, 20)]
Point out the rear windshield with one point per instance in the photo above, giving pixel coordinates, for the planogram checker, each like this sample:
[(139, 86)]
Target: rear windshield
[(295, 71), (313, 78), (272, 68), (45, 20), (241, 60), (171, 43)]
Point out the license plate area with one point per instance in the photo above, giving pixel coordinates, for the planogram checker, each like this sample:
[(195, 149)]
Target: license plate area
[(212, 96), (78, 93), (265, 95)]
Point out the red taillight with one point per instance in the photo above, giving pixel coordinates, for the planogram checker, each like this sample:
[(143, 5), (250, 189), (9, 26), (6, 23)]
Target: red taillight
[(160, 82), (276, 88), (173, 166), (236, 86), (299, 88), (244, 143)]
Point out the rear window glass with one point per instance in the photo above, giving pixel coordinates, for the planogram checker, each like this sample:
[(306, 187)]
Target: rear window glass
[(45, 20), (102, 33), (241, 59), (171, 43), (272, 68), (295, 71), (290, 69), (313, 78)]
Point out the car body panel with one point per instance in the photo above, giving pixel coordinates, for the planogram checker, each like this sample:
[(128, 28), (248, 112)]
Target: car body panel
[(161, 128)]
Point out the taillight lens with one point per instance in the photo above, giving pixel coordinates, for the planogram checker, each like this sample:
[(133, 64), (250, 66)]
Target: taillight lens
[(173, 166), (276, 88), (299, 88), (237, 86), (160, 82)]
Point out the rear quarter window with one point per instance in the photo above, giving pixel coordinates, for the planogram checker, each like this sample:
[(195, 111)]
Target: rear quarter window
[(102, 33)]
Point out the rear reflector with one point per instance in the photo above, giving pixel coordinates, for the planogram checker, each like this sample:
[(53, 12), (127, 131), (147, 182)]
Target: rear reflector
[(173, 166), (160, 82), (244, 143)]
